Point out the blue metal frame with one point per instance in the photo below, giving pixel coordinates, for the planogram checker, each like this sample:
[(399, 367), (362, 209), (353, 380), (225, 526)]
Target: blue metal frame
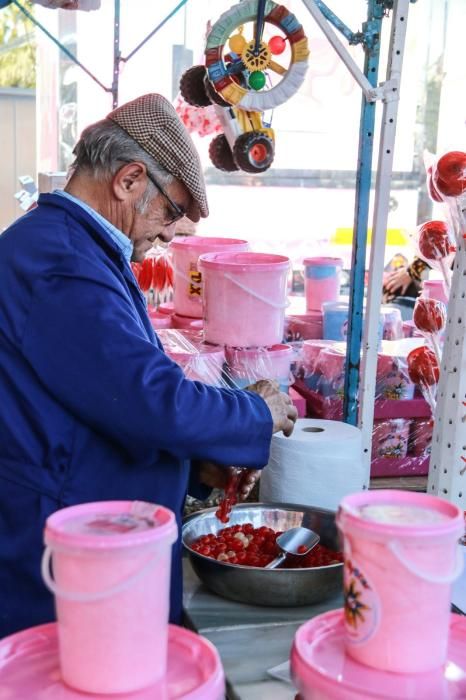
[(371, 32), (352, 37), (117, 57)]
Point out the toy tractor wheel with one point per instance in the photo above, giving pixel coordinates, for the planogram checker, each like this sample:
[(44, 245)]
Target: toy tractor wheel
[(253, 152), (213, 95), (221, 155), (192, 87)]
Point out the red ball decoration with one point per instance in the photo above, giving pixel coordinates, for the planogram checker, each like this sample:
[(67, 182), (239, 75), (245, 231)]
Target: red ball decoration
[(277, 45), (430, 315), (423, 367), (433, 241), (449, 175)]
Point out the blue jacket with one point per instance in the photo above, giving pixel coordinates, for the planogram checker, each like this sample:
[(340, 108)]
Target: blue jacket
[(90, 406)]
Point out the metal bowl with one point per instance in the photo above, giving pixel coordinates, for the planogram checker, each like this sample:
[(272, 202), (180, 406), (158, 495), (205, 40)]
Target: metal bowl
[(257, 586)]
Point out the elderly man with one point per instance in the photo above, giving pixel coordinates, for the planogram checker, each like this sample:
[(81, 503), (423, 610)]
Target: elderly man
[(91, 408)]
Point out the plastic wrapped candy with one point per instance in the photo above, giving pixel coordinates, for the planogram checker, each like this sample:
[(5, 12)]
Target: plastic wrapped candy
[(430, 317), (390, 438), (230, 498), (435, 245), (424, 370), (449, 174)]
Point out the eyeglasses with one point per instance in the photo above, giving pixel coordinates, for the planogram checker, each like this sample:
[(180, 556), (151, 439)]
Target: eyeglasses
[(179, 212)]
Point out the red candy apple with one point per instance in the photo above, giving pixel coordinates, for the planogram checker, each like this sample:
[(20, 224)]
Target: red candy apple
[(434, 243), (449, 175), (429, 315), (423, 367)]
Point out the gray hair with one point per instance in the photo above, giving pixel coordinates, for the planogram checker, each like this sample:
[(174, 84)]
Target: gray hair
[(104, 147)]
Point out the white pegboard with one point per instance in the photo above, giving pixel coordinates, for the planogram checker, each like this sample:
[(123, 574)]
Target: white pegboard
[(447, 471)]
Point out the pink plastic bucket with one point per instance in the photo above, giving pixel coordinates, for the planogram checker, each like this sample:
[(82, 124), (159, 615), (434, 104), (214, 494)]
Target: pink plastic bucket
[(304, 326), (321, 669), (435, 289), (111, 565), (187, 295), (187, 323), (159, 320), (401, 557), (205, 364), (244, 298), (321, 281), (166, 308), (248, 366)]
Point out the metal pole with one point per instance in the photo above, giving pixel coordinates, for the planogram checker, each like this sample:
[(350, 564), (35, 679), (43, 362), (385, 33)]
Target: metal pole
[(116, 54), (372, 29), (379, 227), (447, 469)]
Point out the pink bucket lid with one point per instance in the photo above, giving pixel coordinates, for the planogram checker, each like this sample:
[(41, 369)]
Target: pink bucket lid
[(245, 262), (348, 514), (327, 262), (30, 668), (319, 662), (205, 242), (56, 532), (167, 308), (159, 320), (313, 348), (237, 354)]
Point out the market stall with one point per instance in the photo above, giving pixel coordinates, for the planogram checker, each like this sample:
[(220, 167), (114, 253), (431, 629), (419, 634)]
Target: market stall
[(326, 587)]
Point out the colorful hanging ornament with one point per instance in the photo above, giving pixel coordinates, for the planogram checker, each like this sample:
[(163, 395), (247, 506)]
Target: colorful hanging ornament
[(277, 45)]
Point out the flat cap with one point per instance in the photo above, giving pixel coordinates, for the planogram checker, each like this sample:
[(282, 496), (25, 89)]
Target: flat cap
[(154, 124)]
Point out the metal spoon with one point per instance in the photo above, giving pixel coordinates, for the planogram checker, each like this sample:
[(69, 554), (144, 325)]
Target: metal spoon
[(298, 538)]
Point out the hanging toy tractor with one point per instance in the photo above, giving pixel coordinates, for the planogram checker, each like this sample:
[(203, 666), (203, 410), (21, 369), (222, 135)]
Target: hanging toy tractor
[(245, 80)]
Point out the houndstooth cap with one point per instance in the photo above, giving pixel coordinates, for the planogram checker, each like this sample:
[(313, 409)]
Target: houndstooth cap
[(154, 124)]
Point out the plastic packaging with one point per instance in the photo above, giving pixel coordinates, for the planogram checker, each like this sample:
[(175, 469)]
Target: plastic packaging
[(402, 426), (198, 360), (401, 557), (249, 365), (111, 567), (187, 296), (244, 298)]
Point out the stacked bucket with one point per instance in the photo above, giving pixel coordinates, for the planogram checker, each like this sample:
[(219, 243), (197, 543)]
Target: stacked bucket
[(239, 297)]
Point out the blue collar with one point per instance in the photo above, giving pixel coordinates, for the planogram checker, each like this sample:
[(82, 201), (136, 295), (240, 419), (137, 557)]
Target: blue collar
[(123, 242)]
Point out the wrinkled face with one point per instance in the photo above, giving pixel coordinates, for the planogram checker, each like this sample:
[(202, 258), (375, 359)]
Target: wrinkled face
[(158, 219)]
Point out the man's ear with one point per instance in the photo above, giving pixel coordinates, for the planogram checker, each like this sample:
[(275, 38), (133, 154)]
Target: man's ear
[(130, 181)]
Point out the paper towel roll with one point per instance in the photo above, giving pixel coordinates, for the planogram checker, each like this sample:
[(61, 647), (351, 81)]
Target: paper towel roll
[(319, 464)]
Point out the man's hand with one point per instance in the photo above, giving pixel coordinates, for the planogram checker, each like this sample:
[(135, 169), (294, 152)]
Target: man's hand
[(284, 412), (264, 387), (216, 477)]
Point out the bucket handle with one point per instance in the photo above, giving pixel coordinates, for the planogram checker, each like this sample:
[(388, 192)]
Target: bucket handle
[(448, 578), (255, 294), (97, 595)]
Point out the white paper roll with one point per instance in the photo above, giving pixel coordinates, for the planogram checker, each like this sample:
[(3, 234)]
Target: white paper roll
[(319, 464)]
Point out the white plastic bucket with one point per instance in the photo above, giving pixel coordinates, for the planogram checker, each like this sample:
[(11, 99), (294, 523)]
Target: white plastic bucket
[(401, 557), (244, 298), (111, 578), (187, 294)]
